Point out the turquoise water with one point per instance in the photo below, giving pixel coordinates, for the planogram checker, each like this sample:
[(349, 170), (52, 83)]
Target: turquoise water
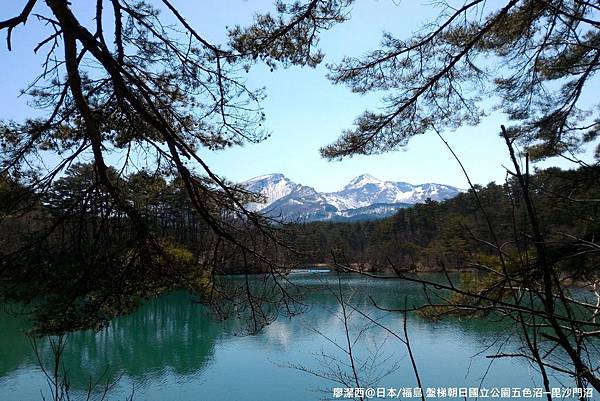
[(175, 349)]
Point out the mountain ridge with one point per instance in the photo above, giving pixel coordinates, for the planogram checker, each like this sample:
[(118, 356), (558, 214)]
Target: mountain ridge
[(364, 197)]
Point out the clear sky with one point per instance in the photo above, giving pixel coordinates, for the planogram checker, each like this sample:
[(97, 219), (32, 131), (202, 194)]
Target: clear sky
[(304, 110)]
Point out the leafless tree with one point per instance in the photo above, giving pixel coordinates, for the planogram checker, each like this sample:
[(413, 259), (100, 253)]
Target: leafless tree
[(57, 375), (536, 59), (524, 283)]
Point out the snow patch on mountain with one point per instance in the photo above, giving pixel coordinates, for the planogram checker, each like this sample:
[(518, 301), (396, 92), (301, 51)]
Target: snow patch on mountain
[(363, 197), (363, 180), (270, 187)]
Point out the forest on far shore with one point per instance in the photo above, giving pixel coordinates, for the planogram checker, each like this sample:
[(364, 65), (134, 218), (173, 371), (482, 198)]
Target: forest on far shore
[(453, 234)]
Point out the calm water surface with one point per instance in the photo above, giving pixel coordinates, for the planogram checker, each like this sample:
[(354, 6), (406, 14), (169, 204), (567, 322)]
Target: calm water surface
[(174, 349)]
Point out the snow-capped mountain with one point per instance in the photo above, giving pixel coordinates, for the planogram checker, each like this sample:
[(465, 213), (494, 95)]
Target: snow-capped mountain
[(366, 190), (271, 187), (364, 197)]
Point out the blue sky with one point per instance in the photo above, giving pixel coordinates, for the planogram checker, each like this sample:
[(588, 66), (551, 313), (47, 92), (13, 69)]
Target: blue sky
[(304, 110)]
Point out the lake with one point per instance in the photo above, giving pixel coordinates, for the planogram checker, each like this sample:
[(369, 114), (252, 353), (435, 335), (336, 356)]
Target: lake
[(175, 349)]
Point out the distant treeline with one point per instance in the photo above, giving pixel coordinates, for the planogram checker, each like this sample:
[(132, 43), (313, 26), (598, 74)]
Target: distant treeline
[(81, 260), (456, 233), (464, 231), (453, 233)]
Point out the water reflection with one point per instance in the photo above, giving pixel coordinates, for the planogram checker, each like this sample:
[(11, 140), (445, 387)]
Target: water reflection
[(171, 334), (172, 346)]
